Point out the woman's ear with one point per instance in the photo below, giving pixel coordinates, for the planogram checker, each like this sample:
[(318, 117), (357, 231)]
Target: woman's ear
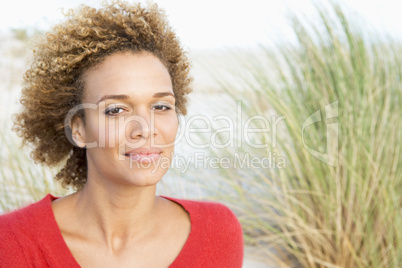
[(78, 132)]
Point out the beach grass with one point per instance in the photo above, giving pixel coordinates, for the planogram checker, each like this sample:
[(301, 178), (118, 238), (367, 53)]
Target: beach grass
[(337, 200)]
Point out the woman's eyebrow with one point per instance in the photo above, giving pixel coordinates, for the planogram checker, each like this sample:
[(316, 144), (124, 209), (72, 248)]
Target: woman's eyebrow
[(163, 94), (115, 97), (124, 97)]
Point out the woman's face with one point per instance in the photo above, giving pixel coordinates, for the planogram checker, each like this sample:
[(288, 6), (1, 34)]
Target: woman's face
[(130, 134)]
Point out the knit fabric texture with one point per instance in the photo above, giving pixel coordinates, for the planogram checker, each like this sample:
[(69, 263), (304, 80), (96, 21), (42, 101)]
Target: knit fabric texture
[(30, 237)]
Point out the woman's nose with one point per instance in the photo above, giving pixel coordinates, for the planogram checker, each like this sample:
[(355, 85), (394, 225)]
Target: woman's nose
[(141, 125)]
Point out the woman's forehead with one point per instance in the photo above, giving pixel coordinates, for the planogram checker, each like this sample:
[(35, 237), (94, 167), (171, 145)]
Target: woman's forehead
[(135, 75)]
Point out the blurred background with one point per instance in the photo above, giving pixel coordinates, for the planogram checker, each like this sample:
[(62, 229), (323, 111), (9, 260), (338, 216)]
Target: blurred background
[(201, 24), (264, 60)]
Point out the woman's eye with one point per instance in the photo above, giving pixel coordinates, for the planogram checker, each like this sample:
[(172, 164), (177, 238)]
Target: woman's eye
[(114, 111), (162, 107)]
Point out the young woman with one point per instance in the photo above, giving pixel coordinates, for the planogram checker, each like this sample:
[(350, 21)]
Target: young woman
[(103, 97)]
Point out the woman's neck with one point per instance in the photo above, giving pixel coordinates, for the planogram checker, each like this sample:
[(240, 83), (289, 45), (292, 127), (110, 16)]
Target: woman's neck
[(116, 215)]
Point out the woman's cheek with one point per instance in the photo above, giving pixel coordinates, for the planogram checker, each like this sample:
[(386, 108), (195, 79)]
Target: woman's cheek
[(168, 128), (105, 133), (175, 128), (92, 130), (114, 133)]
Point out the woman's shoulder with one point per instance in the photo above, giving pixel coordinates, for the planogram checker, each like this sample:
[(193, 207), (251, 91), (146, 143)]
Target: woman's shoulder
[(207, 211), (18, 229), (18, 216), (216, 234), (23, 221), (26, 213)]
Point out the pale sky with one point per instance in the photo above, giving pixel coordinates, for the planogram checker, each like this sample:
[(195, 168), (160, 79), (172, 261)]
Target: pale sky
[(203, 24)]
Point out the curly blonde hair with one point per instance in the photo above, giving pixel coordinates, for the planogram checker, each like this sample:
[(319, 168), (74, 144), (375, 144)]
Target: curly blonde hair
[(53, 84)]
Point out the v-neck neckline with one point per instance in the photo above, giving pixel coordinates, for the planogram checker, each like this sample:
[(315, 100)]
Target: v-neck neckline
[(62, 245)]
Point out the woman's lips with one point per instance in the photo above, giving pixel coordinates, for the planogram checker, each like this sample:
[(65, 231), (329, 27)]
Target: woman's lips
[(144, 154), (144, 158)]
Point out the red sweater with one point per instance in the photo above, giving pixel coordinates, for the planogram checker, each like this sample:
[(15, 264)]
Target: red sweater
[(30, 237)]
